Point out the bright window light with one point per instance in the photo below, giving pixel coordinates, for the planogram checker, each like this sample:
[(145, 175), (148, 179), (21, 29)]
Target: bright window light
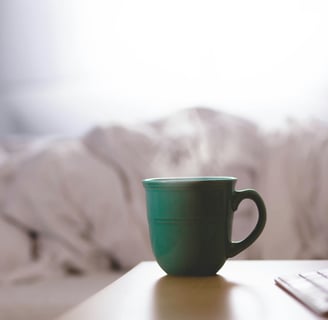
[(133, 60)]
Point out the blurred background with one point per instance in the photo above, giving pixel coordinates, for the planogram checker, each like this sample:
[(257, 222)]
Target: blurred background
[(67, 65)]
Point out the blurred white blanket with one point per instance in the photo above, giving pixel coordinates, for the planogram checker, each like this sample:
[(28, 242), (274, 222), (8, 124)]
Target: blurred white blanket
[(78, 205), (295, 186)]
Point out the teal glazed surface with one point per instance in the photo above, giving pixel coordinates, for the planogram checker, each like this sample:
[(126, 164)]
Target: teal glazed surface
[(190, 222)]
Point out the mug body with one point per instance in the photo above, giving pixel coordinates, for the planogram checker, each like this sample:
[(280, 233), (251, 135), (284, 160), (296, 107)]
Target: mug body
[(190, 223)]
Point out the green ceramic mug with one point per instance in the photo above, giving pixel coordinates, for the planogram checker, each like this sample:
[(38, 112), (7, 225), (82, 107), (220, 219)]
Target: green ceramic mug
[(190, 222)]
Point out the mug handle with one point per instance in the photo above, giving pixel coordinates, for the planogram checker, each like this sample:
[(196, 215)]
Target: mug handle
[(239, 195)]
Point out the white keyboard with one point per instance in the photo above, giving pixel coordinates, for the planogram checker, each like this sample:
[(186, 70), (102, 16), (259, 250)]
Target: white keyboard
[(311, 288)]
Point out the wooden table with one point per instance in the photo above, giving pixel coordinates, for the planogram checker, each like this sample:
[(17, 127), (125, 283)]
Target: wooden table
[(243, 289)]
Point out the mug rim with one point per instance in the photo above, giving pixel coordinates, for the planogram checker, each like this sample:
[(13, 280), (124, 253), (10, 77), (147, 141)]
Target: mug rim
[(162, 181)]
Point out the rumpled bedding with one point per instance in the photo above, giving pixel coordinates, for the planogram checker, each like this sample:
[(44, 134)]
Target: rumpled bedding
[(295, 186), (77, 205)]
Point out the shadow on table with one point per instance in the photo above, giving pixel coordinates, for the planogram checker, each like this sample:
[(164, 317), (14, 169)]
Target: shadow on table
[(203, 298)]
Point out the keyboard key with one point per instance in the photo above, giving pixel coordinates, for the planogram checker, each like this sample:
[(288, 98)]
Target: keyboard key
[(324, 273), (318, 280)]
